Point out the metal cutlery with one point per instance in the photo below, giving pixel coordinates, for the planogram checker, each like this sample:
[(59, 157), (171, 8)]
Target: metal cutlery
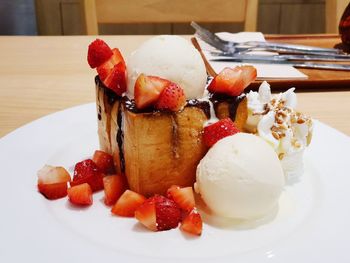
[(235, 47)]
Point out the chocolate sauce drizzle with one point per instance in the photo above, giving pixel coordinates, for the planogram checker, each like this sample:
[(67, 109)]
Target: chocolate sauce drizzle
[(233, 102), (120, 138)]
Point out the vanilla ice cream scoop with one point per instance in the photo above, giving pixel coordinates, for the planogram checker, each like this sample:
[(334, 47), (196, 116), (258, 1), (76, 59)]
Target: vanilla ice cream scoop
[(240, 177), (169, 57)]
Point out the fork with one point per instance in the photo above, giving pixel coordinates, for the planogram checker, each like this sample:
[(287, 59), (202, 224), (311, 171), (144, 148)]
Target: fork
[(235, 47)]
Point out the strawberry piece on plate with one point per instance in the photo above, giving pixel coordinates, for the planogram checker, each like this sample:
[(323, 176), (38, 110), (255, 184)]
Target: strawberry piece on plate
[(233, 81), (183, 197), (98, 53), (104, 162), (80, 194), (192, 223), (114, 186), (52, 181), (87, 172), (128, 203), (172, 98), (218, 130), (148, 89), (159, 213)]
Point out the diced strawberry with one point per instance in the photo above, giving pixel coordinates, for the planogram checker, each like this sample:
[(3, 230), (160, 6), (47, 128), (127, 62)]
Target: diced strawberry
[(172, 98), (106, 68), (192, 223), (159, 213), (98, 53), (183, 197), (114, 186), (52, 181), (104, 162), (128, 203), (87, 172), (116, 80), (80, 194), (233, 81), (218, 130), (148, 89)]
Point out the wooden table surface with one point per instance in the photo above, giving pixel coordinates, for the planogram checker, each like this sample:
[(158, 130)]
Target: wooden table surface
[(42, 75)]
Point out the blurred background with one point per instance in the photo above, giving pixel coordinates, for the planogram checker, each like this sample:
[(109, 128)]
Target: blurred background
[(65, 17)]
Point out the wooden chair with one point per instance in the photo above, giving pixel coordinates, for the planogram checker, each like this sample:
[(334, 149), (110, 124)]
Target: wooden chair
[(165, 11), (334, 11)]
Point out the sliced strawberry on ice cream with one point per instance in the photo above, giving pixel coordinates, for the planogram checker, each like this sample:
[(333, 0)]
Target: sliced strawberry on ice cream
[(87, 172), (98, 53), (80, 194), (159, 213), (172, 98), (192, 223), (52, 181), (148, 89), (104, 162), (114, 187), (233, 81), (218, 130), (183, 197), (128, 203)]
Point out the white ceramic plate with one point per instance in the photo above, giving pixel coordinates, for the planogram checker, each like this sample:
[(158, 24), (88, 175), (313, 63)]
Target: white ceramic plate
[(312, 223)]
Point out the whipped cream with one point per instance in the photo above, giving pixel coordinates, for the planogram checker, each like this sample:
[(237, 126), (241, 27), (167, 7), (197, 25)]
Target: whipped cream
[(274, 119)]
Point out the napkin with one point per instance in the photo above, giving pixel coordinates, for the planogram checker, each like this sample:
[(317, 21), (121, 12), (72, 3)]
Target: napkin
[(265, 71)]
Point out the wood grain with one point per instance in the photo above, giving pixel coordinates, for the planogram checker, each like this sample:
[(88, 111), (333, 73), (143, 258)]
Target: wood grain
[(42, 75)]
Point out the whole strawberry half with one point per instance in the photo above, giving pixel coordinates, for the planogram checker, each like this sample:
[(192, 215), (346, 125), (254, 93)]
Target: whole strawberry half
[(233, 81), (172, 98), (87, 172), (159, 213), (98, 53), (218, 130), (148, 89)]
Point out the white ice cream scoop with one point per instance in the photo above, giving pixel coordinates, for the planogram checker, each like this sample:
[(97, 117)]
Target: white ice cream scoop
[(240, 177), (169, 57)]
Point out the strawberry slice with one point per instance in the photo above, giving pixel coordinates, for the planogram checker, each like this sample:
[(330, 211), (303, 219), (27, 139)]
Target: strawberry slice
[(104, 162), (233, 81), (218, 130), (114, 186), (80, 194), (192, 223), (113, 73), (148, 89), (128, 203), (87, 172), (172, 98), (98, 53), (183, 197), (159, 213), (52, 181)]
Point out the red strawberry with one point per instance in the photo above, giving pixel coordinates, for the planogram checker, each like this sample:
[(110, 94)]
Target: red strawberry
[(148, 89), (183, 197), (80, 194), (128, 203), (87, 172), (233, 81), (158, 213), (192, 223), (52, 181), (218, 130), (114, 186), (98, 53), (104, 162), (172, 98)]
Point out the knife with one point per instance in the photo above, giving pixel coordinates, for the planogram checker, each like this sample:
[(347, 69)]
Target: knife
[(286, 62)]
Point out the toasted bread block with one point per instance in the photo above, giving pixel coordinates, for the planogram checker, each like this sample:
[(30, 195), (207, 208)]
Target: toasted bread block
[(104, 116), (162, 149)]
